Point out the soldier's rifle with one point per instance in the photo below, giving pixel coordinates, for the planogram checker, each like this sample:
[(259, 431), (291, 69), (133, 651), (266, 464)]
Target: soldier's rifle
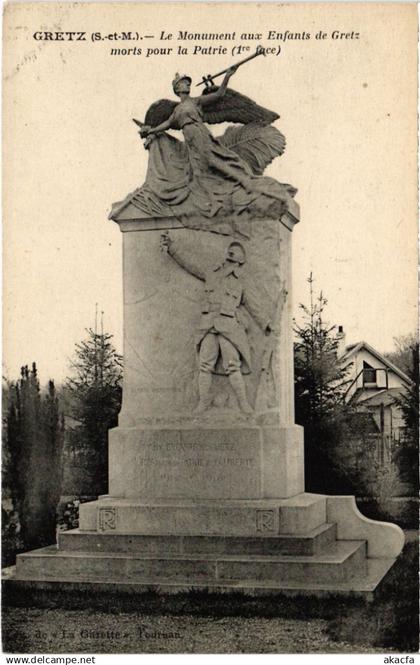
[(270, 345)]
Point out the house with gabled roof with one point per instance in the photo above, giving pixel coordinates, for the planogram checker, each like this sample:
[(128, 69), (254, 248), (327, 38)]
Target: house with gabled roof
[(375, 384)]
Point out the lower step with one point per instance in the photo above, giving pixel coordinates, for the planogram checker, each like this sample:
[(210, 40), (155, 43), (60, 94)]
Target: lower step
[(321, 539), (134, 595), (347, 559)]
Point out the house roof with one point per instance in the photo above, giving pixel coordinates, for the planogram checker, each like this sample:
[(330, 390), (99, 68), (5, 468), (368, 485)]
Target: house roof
[(375, 398), (352, 349)]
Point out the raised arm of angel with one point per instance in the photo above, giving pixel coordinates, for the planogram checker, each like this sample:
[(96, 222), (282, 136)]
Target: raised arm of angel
[(212, 97)]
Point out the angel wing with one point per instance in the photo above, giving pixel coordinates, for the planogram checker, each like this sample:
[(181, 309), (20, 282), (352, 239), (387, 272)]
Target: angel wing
[(159, 112), (234, 107), (255, 143)]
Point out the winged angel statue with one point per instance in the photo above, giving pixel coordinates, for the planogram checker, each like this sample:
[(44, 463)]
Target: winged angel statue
[(205, 180)]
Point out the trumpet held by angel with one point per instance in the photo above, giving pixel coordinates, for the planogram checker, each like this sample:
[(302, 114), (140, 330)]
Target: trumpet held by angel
[(207, 177)]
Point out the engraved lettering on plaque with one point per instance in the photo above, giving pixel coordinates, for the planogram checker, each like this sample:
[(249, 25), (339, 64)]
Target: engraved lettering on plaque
[(265, 520), (107, 519)]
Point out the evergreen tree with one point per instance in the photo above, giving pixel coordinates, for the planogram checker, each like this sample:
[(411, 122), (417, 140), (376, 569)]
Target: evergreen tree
[(95, 390), (320, 380), (7, 478), (53, 427), (11, 542), (320, 385), (407, 454), (34, 433)]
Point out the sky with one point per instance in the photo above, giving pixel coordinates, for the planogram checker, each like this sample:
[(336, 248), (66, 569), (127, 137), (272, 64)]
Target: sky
[(347, 108)]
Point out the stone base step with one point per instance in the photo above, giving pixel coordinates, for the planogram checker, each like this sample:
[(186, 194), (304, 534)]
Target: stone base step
[(345, 560), (242, 547), (181, 517), (319, 540), (102, 594)]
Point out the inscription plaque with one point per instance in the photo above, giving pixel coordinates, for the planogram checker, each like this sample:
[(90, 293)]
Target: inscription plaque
[(180, 463)]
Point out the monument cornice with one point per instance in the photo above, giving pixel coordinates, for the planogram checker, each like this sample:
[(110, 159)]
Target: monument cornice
[(130, 220)]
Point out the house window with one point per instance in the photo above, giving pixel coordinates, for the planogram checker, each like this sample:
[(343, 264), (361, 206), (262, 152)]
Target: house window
[(369, 373)]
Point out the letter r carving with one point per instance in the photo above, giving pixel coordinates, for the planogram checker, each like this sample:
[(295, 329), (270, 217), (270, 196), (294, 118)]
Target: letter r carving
[(265, 520), (107, 519)]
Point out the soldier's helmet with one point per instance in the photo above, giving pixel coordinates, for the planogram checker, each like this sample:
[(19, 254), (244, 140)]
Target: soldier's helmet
[(236, 253), (178, 78)]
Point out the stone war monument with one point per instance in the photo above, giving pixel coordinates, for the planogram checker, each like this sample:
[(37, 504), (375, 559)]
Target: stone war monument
[(206, 466)]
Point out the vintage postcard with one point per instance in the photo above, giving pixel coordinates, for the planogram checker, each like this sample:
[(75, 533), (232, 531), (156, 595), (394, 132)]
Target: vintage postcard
[(210, 417)]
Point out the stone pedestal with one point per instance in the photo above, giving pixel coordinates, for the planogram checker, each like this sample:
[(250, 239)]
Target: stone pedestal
[(213, 501), (215, 463)]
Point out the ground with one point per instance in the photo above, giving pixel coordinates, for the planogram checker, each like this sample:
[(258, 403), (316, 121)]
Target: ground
[(74, 631)]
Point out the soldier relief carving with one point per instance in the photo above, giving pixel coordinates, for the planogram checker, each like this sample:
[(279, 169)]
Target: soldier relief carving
[(215, 185), (221, 336)]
